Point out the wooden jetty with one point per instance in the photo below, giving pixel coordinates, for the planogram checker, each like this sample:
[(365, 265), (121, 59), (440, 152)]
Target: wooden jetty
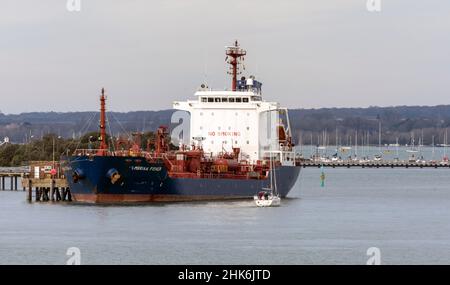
[(48, 181), (47, 189), (44, 177), (13, 174)]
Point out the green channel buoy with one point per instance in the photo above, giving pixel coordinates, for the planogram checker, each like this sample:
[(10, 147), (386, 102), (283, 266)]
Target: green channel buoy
[(322, 177)]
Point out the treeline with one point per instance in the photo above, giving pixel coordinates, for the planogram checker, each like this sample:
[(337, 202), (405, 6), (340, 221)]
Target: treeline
[(52, 147), (342, 125), (308, 125), (25, 127)]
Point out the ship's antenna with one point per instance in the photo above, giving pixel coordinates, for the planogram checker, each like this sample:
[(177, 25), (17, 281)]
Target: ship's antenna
[(103, 144), (205, 68), (234, 55)]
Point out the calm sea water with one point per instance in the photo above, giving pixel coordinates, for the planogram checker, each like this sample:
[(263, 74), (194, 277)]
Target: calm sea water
[(403, 212)]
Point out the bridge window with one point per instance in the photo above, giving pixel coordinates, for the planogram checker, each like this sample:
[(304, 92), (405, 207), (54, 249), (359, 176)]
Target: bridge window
[(231, 100), (204, 99), (224, 99), (217, 99), (245, 100), (210, 100), (238, 100)]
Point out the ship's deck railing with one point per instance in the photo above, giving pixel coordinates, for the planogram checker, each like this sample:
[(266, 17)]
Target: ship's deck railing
[(120, 153), (88, 152), (250, 90)]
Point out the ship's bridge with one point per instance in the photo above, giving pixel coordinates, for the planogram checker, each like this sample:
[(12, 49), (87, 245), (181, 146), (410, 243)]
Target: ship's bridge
[(248, 90), (229, 97)]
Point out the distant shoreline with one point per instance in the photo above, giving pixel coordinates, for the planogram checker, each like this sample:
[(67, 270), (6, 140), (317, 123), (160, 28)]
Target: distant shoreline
[(402, 122)]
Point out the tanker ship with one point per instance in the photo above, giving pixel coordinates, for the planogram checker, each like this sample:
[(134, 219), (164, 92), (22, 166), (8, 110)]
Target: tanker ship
[(234, 140)]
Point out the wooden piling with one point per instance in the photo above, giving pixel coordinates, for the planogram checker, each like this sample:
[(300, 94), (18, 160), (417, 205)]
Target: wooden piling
[(47, 189), (52, 190), (30, 191), (37, 194)]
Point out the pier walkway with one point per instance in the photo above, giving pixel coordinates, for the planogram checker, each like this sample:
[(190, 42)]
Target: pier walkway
[(13, 174), (372, 164), (47, 187)]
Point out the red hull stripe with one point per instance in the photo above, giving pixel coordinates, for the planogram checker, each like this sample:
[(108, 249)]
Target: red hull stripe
[(142, 198)]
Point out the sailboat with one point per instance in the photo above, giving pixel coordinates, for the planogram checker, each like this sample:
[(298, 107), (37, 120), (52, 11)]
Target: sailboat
[(445, 158), (269, 197), (412, 149), (396, 150), (379, 156)]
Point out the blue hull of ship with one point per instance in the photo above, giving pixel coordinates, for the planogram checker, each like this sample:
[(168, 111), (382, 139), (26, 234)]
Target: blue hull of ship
[(142, 181)]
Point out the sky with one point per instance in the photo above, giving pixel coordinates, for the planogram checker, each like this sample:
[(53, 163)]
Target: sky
[(147, 54)]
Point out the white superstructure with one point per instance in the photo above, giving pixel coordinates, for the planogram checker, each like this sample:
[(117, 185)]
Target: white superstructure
[(223, 120), (226, 119)]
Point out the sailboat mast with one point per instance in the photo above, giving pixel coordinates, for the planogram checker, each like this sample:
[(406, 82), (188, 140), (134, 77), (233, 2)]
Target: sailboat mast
[(336, 138), (396, 145), (379, 135), (274, 187), (368, 139), (445, 143), (421, 138), (432, 144)]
